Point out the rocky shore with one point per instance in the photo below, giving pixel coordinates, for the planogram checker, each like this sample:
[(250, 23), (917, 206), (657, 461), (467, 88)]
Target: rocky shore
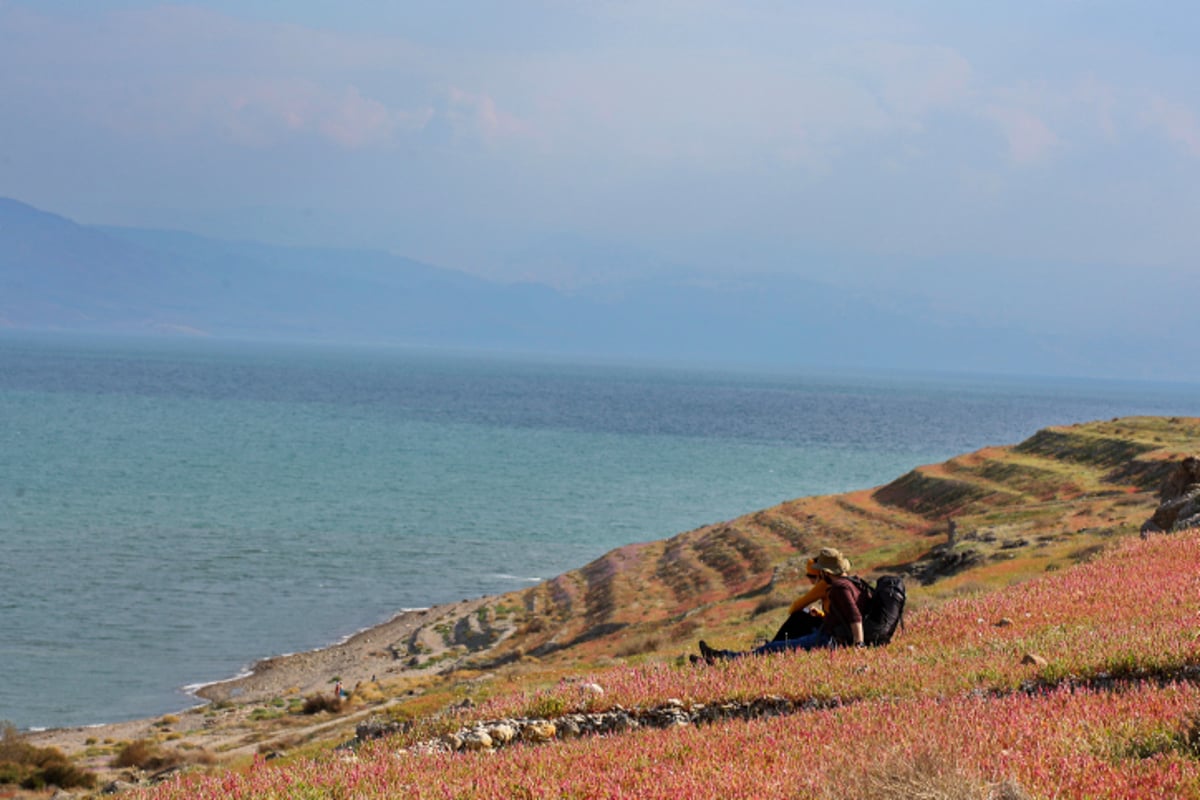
[(411, 645), (383, 652)]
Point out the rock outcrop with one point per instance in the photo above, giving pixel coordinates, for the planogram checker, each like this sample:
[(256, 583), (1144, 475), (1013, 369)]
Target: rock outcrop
[(1179, 506)]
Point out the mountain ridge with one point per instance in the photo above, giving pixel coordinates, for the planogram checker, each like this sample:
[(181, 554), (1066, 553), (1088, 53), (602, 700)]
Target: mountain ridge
[(58, 275)]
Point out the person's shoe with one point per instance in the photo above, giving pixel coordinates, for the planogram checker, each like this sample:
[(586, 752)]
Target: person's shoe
[(710, 654), (695, 659)]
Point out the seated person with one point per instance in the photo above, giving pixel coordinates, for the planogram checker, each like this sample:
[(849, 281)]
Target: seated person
[(842, 623)]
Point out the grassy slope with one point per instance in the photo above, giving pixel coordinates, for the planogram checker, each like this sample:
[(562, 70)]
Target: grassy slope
[(1050, 501), (1054, 500), (1059, 498)]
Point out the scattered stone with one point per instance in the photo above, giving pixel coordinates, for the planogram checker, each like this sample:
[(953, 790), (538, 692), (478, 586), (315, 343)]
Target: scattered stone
[(943, 561), (501, 733), (377, 728), (165, 774), (491, 735), (117, 787), (1003, 622), (568, 728), (539, 731), (592, 689), (476, 740)]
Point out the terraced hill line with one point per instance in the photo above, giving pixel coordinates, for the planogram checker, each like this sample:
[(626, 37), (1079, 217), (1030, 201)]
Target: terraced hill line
[(1090, 479)]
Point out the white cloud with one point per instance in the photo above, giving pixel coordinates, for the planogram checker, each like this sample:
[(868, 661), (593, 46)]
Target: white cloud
[(181, 72), (1177, 122), (1030, 140), (261, 113), (914, 80), (789, 122), (477, 114)]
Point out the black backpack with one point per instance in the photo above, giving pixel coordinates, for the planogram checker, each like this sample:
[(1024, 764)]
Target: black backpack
[(884, 609)]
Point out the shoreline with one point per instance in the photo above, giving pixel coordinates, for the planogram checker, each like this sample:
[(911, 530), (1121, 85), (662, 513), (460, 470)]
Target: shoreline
[(374, 654), (196, 690), (365, 656)]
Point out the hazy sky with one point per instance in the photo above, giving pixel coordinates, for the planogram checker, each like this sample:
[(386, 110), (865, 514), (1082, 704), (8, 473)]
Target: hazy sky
[(956, 148)]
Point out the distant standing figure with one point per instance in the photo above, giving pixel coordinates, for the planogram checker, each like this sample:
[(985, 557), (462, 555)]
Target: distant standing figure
[(337, 691), (952, 533)]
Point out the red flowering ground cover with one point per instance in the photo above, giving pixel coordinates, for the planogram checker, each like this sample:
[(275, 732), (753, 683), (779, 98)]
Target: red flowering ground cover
[(950, 696)]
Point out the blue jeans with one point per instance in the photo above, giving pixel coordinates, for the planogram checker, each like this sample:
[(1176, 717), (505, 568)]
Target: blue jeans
[(810, 641)]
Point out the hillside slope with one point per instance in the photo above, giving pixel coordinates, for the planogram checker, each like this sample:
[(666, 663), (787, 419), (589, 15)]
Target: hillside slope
[(1017, 510), (1059, 498)]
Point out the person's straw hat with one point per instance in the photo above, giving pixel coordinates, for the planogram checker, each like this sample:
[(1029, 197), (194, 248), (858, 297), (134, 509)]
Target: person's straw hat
[(832, 561)]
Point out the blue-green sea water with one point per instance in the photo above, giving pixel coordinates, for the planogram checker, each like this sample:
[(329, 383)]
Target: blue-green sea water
[(172, 512)]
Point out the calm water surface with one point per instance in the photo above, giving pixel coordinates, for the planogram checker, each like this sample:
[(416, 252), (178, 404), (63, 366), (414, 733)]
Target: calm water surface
[(171, 512)]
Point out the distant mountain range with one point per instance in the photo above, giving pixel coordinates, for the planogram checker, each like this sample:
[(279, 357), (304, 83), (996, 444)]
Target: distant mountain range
[(58, 275)]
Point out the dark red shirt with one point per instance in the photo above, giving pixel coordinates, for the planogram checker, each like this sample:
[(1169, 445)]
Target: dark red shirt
[(842, 607)]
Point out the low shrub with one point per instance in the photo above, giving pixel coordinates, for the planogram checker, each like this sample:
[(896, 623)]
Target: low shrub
[(145, 754), (62, 774), (316, 703), (36, 768), (262, 714), (635, 647), (546, 706), (369, 693), (930, 777)]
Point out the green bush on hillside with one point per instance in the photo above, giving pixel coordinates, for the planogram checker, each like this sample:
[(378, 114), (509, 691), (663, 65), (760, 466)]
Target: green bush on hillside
[(33, 767)]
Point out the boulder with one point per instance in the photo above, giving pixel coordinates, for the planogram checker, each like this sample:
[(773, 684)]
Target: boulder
[(540, 731), (378, 727), (1179, 500), (477, 739), (568, 728), (501, 733)]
